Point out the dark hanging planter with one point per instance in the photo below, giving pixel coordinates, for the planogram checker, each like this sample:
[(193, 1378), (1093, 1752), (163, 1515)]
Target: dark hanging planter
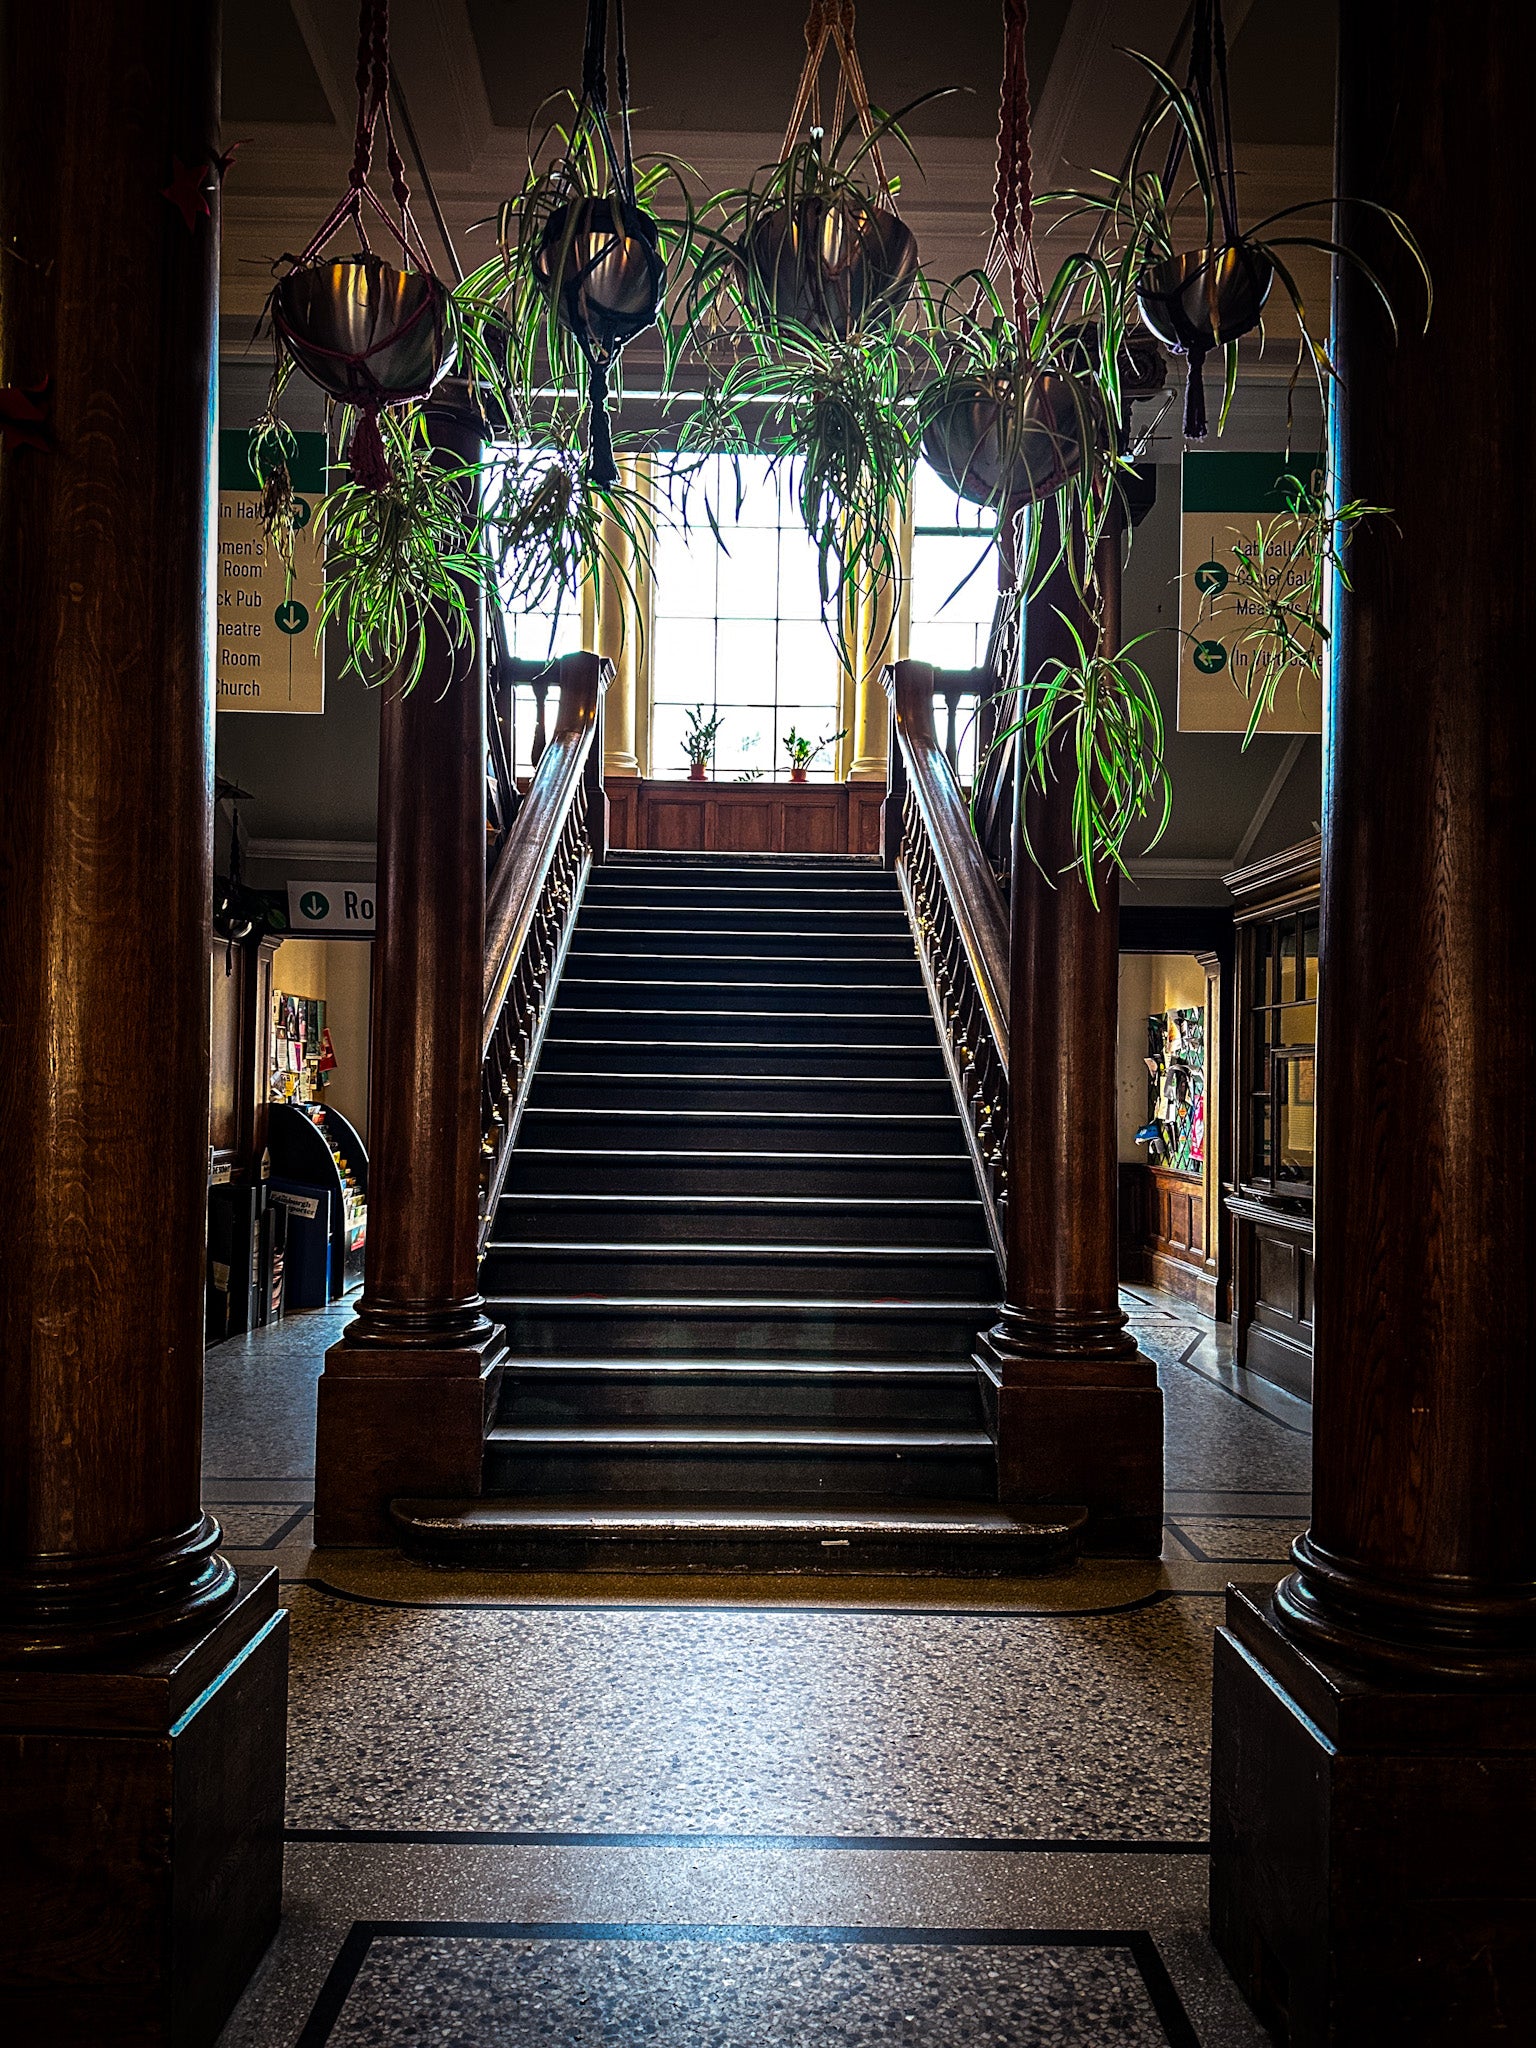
[(600, 259), (371, 335), (829, 264), (996, 438), (368, 334), (1201, 301)]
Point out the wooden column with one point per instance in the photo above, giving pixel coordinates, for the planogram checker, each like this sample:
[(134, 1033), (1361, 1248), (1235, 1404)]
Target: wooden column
[(1078, 1411), (404, 1396), (142, 1686), (1375, 1721)]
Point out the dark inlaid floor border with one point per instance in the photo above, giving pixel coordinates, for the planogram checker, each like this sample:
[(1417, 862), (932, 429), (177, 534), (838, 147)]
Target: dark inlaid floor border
[(279, 1536), (1139, 1944), (563, 1838), (808, 1606)]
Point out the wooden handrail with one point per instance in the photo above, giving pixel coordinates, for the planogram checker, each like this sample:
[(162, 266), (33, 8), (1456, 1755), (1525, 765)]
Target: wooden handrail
[(535, 891), (958, 915)]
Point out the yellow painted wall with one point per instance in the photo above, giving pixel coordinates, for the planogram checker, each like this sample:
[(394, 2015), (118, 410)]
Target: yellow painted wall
[(1149, 984), (339, 973)]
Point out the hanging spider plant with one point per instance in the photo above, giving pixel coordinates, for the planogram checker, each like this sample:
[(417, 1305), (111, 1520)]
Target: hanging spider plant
[(1093, 718), (553, 532), (831, 415), (400, 556), (582, 262), (1198, 300)]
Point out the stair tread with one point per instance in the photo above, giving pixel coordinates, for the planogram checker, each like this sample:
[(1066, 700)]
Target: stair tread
[(685, 1248), (796, 1369), (958, 1518), (757, 1116), (841, 1203), (638, 1075), (809, 1436), (775, 1304)]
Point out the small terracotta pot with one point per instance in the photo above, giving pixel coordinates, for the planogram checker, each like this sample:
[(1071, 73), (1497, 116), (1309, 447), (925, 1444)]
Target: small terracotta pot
[(799, 774), (698, 771)]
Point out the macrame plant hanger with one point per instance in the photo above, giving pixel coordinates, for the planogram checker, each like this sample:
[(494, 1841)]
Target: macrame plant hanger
[(601, 351), (831, 21), (1013, 199), (369, 462), (1207, 87)]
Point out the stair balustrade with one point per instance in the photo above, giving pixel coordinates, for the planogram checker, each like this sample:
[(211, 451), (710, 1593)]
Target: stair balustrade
[(958, 912), (538, 873)]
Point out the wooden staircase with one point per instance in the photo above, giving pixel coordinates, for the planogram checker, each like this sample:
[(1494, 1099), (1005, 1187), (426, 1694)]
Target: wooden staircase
[(740, 1252)]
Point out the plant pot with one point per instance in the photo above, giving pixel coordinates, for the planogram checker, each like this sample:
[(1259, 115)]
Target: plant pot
[(799, 774), (1201, 301), (994, 438), (601, 260), (832, 265), (366, 333), (698, 771)]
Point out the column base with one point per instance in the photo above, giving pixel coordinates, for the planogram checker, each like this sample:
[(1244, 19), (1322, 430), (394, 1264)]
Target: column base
[(1372, 1858), (410, 1420), (1085, 1433), (141, 1805)]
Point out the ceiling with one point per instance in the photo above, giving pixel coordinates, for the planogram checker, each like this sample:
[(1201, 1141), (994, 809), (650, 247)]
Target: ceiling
[(712, 84)]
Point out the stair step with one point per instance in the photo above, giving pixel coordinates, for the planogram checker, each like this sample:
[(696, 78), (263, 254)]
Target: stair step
[(736, 1056), (748, 1131), (696, 1218), (617, 1020), (573, 1168), (754, 970), (937, 1273), (895, 1392), (747, 1327), (807, 1094), (721, 899), (603, 931), (581, 992), (955, 1538), (687, 1459)]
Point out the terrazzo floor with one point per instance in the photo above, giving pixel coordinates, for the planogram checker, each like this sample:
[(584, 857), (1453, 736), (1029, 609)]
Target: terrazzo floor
[(728, 1813)]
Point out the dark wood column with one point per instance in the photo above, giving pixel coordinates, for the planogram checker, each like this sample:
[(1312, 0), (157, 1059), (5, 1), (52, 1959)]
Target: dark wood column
[(1375, 1721), (1078, 1410), (141, 1685), (403, 1399)]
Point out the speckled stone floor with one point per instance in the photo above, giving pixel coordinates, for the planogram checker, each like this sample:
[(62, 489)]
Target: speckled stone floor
[(728, 1813)]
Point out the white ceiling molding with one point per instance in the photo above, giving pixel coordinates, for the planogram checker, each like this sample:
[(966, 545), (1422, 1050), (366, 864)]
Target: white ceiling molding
[(340, 853), (1171, 867)]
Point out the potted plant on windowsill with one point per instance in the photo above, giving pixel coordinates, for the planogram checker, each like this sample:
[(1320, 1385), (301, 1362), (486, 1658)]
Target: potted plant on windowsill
[(699, 742), (802, 751)]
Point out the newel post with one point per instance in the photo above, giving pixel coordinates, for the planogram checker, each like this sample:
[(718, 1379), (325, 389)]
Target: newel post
[(1077, 1408), (1374, 1720), (406, 1391)]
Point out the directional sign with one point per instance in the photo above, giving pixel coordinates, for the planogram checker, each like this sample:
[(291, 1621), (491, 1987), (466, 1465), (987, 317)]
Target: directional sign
[(269, 657), (328, 909), (1225, 498)]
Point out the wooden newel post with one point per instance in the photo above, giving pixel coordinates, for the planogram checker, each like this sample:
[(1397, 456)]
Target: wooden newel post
[(403, 1399), (142, 1686), (1374, 1768), (1078, 1411)]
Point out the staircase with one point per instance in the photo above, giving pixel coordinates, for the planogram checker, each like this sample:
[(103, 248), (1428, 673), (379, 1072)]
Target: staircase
[(740, 1255)]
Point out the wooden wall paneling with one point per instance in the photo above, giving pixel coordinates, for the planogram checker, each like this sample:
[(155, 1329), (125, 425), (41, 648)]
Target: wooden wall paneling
[(808, 818)]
